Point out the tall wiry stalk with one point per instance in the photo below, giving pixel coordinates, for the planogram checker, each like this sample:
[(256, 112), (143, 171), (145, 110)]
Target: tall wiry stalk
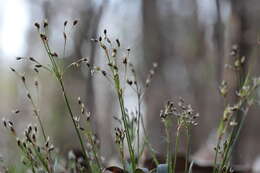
[(55, 68)]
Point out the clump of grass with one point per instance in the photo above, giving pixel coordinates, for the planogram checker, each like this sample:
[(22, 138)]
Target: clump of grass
[(186, 118), (41, 156), (234, 114)]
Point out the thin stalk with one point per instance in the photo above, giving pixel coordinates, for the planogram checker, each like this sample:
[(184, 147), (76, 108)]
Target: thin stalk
[(187, 150), (176, 148), (216, 155), (74, 123), (146, 142), (169, 150), (119, 92), (138, 122), (128, 139), (94, 150)]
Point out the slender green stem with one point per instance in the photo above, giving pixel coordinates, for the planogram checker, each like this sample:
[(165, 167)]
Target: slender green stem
[(176, 148), (169, 147), (187, 150), (216, 154), (138, 122), (94, 150), (74, 123), (131, 151)]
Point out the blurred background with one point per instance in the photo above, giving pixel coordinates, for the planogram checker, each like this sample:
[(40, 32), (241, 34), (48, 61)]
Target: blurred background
[(189, 39)]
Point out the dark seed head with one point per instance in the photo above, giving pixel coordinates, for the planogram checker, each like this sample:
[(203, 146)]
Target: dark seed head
[(38, 65), (75, 22), (118, 42), (65, 23), (37, 25), (45, 24), (13, 70)]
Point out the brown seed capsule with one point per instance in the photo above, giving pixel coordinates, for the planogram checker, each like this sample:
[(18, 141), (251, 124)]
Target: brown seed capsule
[(32, 59), (13, 70), (29, 96), (65, 23), (43, 37), (36, 70), (51, 148), (33, 137), (104, 72), (38, 65), (4, 122), (23, 79), (129, 82), (36, 83), (64, 35), (16, 111), (79, 101), (24, 145), (37, 25), (54, 54), (125, 61), (10, 123), (45, 23), (118, 42), (19, 142), (75, 22)]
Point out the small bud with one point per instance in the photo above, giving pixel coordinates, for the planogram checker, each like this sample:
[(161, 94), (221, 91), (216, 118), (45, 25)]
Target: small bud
[(18, 58), (100, 38), (105, 31)]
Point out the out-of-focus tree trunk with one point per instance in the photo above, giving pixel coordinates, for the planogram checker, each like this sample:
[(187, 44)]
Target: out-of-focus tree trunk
[(153, 48), (238, 28)]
